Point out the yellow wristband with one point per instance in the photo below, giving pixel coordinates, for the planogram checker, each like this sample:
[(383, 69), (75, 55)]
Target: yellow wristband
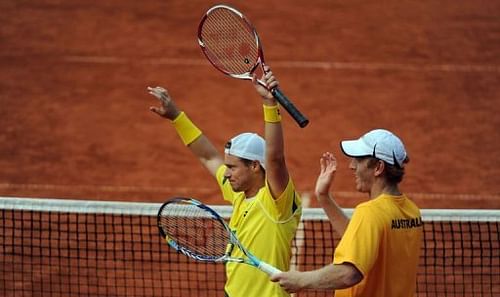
[(186, 129), (272, 114)]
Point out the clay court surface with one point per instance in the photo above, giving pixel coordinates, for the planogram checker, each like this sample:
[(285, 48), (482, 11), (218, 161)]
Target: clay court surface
[(74, 118)]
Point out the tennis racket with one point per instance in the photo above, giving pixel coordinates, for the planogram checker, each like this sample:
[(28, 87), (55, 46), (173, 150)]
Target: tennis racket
[(230, 42), (197, 231)]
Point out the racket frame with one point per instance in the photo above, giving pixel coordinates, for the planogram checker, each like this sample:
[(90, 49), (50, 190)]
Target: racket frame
[(301, 120), (179, 247), (260, 56)]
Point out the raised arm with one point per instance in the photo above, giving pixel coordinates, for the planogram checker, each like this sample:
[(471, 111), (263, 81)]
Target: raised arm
[(328, 167), (190, 135), (276, 170)]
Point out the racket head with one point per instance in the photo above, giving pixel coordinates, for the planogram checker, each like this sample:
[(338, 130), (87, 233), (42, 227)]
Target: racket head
[(230, 42), (194, 229)]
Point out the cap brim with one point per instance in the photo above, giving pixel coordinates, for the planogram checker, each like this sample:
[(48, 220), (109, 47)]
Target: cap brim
[(355, 148)]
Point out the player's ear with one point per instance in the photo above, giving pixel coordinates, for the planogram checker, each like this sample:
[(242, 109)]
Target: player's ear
[(379, 168), (255, 166)]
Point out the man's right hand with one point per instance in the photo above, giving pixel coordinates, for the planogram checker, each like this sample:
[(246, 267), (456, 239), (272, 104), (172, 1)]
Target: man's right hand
[(328, 165), (167, 109)]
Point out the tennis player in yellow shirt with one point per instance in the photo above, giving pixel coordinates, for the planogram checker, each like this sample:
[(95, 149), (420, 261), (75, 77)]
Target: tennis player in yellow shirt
[(380, 246), (253, 177)]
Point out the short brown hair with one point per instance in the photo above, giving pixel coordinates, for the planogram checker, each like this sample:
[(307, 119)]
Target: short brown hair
[(393, 173), (248, 162)]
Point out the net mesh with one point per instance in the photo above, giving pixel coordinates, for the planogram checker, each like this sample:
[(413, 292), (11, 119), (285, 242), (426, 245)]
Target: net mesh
[(229, 42), (84, 248)]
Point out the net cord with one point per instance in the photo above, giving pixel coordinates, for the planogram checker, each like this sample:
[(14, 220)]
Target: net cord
[(151, 209)]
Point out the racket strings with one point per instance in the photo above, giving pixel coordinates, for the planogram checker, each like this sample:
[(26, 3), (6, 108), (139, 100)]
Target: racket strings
[(229, 42), (194, 228)]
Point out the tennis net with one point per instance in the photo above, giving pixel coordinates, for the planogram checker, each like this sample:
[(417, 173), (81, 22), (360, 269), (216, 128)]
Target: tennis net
[(56, 247)]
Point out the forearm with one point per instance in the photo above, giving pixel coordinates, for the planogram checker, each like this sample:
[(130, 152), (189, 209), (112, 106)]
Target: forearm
[(206, 153), (273, 130), (198, 143), (276, 169), (338, 219), (331, 277)]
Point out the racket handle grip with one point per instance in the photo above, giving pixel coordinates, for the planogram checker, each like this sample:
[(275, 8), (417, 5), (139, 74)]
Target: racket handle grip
[(290, 108), (268, 268)]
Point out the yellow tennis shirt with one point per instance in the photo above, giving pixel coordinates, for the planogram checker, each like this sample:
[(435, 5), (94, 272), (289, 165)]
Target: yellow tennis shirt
[(383, 240), (266, 227)]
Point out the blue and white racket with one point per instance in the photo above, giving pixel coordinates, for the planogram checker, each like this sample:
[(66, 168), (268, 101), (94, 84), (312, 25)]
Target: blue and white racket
[(197, 231)]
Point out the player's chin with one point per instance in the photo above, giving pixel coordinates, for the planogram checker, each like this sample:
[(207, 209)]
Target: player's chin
[(359, 186), (362, 188), (357, 183), (236, 187)]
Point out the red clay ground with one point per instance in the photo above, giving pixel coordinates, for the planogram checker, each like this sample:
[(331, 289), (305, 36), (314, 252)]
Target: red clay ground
[(74, 119)]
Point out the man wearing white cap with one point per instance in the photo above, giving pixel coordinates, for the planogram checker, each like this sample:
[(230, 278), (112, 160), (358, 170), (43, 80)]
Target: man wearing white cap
[(380, 246), (253, 177)]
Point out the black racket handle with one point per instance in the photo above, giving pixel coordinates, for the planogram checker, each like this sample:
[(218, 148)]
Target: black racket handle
[(288, 105)]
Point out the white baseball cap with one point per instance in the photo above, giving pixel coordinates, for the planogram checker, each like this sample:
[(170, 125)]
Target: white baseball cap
[(248, 146), (378, 143)]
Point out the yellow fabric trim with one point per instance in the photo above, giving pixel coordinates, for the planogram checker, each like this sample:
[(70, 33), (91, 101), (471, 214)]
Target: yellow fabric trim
[(186, 129), (272, 114)]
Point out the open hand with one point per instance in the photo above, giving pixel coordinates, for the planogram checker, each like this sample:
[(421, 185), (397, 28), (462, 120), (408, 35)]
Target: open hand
[(167, 109), (328, 167)]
